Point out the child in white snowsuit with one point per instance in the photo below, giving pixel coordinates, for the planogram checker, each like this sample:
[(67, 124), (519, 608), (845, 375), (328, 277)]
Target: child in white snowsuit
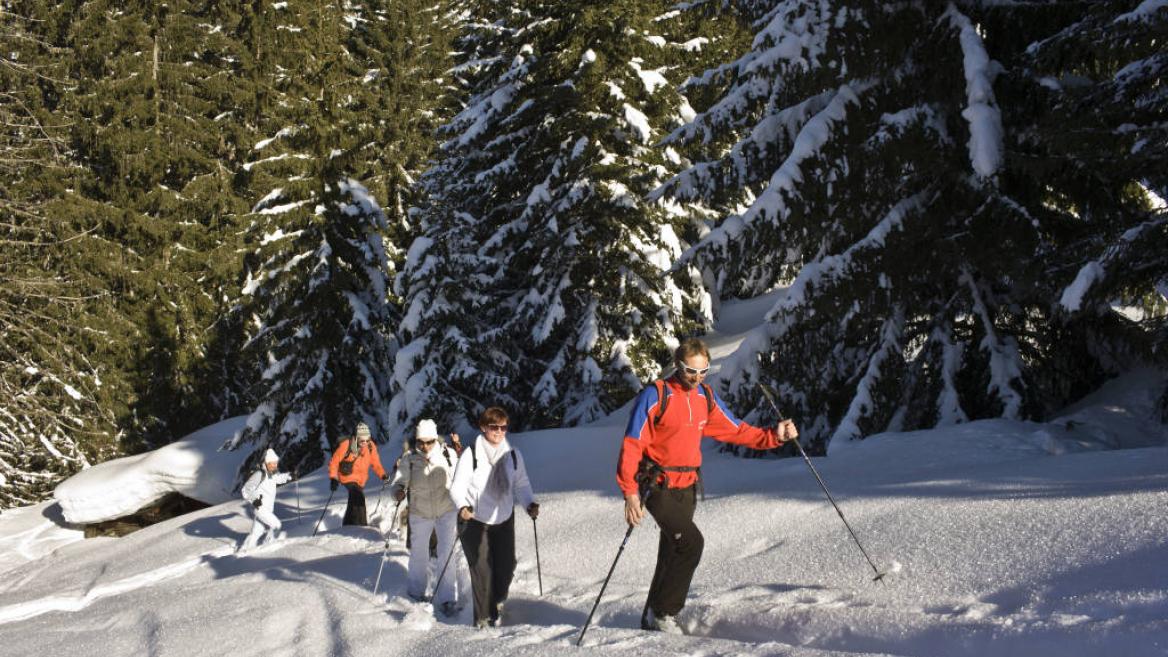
[(425, 473), (260, 490)]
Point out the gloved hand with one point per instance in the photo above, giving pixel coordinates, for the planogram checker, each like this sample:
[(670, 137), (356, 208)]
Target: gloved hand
[(533, 510), (257, 501), (333, 483), (399, 495), (385, 477)]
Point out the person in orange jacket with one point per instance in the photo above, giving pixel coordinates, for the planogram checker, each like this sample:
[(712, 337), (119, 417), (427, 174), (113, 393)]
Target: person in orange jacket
[(350, 466), (661, 454)]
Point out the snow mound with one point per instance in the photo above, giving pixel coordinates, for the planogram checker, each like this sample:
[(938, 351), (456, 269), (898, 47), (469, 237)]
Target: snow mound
[(192, 467), (1120, 415)]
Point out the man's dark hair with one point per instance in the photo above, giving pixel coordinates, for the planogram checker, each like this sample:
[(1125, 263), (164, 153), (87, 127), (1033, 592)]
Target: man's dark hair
[(691, 347)]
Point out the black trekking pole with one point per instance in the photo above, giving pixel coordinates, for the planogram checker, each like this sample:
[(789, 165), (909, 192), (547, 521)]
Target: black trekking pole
[(384, 553), (603, 586), (393, 523), (457, 540), (316, 527), (392, 474), (379, 493), (538, 569), (772, 398), (296, 485)]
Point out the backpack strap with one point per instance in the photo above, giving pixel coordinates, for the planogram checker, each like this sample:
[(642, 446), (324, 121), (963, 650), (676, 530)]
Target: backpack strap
[(474, 459), (662, 400)]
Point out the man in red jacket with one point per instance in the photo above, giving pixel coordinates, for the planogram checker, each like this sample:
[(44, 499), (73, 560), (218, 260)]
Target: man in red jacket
[(662, 450)]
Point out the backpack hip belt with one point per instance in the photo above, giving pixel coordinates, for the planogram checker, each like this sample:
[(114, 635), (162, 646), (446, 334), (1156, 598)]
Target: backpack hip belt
[(651, 475)]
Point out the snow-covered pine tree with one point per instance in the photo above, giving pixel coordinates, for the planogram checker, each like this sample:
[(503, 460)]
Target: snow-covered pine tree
[(451, 366), (195, 375), (1102, 76), (876, 165), (318, 286), (553, 158), (53, 417), (154, 180), (413, 38)]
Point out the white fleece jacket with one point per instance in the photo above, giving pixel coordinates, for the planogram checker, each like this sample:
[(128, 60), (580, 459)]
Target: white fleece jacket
[(469, 487)]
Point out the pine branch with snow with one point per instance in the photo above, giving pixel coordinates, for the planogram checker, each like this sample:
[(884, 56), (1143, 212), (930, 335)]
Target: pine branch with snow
[(897, 168)]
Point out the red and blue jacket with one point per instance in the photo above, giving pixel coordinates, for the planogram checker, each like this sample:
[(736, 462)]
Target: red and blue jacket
[(676, 440)]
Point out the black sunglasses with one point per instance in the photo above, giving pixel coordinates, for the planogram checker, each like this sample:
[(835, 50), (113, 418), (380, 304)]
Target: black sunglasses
[(497, 427)]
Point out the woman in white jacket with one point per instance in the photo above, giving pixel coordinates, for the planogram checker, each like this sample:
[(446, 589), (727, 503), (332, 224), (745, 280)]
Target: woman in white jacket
[(425, 474), (260, 490), (489, 480)]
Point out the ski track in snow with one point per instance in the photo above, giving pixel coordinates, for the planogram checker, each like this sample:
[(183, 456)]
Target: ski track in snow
[(26, 610)]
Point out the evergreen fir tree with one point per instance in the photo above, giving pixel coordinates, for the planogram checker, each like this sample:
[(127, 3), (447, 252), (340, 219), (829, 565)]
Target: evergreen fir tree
[(553, 158), (1102, 78), (879, 167), (318, 283), (450, 366), (150, 141), (53, 399)]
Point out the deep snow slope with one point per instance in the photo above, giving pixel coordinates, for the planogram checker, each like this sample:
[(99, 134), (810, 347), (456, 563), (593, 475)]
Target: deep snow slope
[(998, 537)]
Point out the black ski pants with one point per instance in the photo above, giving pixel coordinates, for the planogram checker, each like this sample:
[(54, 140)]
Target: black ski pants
[(355, 509), (678, 551), (490, 552)]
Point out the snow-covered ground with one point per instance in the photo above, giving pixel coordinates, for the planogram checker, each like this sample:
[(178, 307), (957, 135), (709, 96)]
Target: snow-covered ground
[(999, 537)]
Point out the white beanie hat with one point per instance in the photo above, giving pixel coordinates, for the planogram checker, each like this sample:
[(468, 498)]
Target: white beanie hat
[(426, 430), (270, 456), (362, 430)]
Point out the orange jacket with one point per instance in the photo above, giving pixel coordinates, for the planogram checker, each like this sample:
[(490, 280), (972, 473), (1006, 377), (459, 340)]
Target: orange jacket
[(364, 460), (676, 441)]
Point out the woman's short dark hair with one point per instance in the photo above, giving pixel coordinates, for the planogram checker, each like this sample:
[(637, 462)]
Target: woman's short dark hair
[(492, 415)]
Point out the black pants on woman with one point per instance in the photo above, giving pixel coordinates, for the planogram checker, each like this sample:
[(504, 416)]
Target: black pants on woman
[(355, 509), (490, 552), (678, 551)]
